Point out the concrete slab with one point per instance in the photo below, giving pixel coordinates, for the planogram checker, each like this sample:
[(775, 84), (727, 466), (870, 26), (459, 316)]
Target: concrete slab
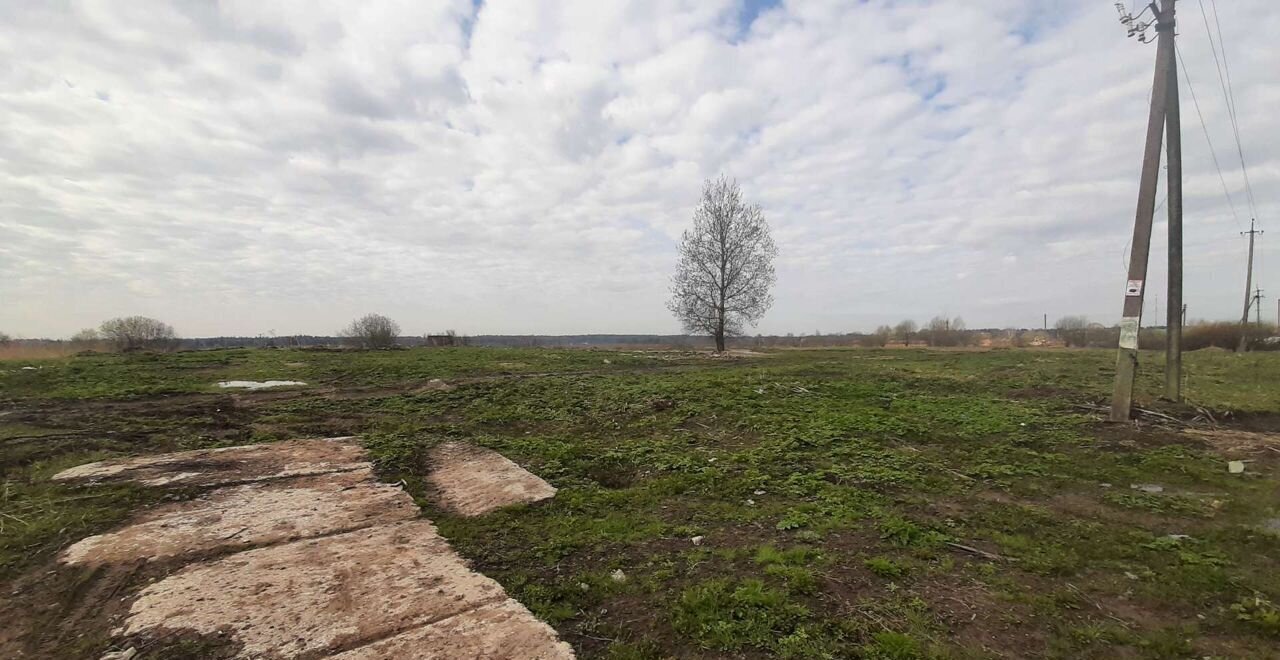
[(319, 595), (250, 515), (471, 480), (500, 630), (227, 465)]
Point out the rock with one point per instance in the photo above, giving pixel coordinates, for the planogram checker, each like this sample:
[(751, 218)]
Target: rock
[(1235, 467), (121, 655), (618, 576), (758, 492), (1148, 488), (438, 385), (697, 540)]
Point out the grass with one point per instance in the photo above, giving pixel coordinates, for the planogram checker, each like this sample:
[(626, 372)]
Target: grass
[(832, 489)]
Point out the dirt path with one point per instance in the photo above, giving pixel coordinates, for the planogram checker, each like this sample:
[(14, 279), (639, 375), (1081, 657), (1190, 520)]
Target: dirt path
[(306, 555)]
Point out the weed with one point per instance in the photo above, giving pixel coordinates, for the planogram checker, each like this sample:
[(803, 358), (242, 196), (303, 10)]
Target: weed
[(885, 567), (889, 645), (1260, 613), (729, 616)]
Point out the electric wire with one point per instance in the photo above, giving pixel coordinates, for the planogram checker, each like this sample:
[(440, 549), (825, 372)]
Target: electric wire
[(1223, 68), (1195, 101)]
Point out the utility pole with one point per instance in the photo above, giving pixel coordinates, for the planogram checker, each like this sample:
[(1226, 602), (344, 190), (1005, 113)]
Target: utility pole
[(1135, 287), (1257, 305), (1173, 303), (1248, 287)]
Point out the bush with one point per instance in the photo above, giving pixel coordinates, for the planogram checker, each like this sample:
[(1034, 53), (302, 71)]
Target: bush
[(372, 331), (877, 339), (134, 333), (5, 340), (1073, 330), (1226, 335), (942, 331)]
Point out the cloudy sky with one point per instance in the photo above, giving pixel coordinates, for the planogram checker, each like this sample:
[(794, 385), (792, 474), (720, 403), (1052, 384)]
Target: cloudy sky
[(508, 166)]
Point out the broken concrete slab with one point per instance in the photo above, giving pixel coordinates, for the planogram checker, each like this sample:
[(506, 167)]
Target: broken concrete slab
[(227, 465), (318, 595), (250, 515), (499, 630), (471, 480)]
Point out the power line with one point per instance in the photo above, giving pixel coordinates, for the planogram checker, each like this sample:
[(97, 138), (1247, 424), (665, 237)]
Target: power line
[(1228, 93), (1205, 127), (1226, 65)]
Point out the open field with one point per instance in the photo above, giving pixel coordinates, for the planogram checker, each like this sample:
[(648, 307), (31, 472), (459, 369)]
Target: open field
[(846, 503)]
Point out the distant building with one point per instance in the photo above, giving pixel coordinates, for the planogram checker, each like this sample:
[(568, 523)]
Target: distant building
[(442, 340)]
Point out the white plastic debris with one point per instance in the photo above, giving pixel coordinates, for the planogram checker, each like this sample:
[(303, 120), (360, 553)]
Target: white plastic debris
[(618, 576), (697, 540), (1235, 467), (257, 384), (1148, 488)]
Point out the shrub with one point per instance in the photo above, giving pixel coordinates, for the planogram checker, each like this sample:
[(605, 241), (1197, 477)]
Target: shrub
[(372, 331), (133, 333), (1226, 335)]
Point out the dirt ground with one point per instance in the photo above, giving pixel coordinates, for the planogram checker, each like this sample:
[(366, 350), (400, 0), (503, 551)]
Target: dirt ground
[(834, 503)]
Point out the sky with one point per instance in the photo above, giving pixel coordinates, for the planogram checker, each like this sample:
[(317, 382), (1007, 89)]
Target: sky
[(244, 167)]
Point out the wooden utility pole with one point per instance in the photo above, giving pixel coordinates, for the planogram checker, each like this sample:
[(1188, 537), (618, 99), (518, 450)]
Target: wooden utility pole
[(1173, 304), (1135, 287), (1248, 289)]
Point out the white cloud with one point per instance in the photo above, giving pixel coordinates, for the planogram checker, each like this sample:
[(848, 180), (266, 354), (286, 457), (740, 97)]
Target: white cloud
[(528, 167)]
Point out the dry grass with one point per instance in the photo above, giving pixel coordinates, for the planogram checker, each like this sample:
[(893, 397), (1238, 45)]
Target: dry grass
[(44, 351)]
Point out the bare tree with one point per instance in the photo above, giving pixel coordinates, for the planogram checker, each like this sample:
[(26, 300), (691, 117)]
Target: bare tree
[(942, 331), (86, 338), (373, 331), (1074, 330), (904, 330), (879, 338), (133, 333), (726, 265)]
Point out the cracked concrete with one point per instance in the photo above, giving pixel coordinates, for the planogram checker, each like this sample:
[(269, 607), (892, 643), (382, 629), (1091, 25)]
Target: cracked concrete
[(338, 564), (250, 515)]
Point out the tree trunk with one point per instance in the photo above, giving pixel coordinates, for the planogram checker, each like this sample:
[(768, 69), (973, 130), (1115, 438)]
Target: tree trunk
[(720, 335)]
